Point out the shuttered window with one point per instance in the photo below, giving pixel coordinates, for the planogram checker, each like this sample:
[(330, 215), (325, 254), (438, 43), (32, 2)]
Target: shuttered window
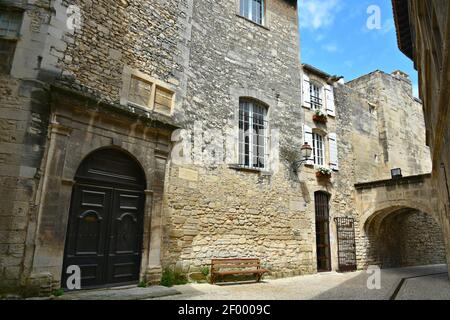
[(329, 96), (149, 95), (253, 137), (306, 91), (316, 96), (318, 149), (253, 10), (10, 23), (334, 159)]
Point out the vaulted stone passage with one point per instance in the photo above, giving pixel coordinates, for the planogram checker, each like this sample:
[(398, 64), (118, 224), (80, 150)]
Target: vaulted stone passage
[(405, 237), (399, 218)]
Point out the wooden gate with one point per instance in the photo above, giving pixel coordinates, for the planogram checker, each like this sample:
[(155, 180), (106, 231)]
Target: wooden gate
[(346, 244)]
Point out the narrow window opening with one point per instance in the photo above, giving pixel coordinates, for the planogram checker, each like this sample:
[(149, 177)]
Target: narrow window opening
[(10, 23), (318, 149), (253, 10), (253, 138)]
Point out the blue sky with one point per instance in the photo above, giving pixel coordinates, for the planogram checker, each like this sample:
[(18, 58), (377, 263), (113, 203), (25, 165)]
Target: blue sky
[(335, 38)]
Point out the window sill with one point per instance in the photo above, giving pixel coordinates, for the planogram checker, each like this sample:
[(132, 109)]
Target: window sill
[(250, 170), (253, 22)]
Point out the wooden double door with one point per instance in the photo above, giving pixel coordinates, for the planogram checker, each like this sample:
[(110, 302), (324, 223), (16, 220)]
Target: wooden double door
[(105, 231)]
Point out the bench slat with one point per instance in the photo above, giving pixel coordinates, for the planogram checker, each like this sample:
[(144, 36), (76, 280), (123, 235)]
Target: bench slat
[(235, 262), (243, 266), (242, 272)]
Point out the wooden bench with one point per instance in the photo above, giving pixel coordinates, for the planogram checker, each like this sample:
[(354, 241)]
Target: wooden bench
[(223, 267)]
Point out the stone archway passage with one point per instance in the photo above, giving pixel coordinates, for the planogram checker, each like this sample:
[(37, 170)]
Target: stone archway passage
[(406, 237), (105, 231)]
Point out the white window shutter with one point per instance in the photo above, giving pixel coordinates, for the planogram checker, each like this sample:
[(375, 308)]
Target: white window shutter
[(306, 93), (308, 137), (329, 96), (334, 157)]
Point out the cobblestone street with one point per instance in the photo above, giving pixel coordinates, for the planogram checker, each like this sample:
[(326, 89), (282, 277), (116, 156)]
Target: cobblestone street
[(428, 282), (424, 283)]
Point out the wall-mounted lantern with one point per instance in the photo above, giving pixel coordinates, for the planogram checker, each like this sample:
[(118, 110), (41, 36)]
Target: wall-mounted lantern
[(305, 152), (396, 173)]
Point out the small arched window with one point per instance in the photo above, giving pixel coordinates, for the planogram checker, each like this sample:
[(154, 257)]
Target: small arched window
[(253, 137)]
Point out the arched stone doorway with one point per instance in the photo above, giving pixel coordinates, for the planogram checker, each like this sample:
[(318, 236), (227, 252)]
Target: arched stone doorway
[(403, 236), (105, 230)]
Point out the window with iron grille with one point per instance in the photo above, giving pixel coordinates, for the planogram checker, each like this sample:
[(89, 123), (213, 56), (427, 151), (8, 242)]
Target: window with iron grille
[(316, 97), (253, 138), (253, 10), (318, 149), (10, 23)]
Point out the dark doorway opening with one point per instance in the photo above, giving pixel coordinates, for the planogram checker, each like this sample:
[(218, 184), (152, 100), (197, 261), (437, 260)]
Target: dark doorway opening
[(105, 230), (323, 231)]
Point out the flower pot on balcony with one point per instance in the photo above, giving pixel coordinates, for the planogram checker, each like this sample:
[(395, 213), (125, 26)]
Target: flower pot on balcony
[(321, 175), (320, 119)]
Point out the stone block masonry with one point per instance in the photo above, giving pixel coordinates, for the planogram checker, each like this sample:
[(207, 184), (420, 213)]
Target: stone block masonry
[(227, 213), (66, 97)]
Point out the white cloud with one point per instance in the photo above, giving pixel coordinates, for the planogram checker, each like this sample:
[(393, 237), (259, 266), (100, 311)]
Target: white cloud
[(330, 47), (316, 14)]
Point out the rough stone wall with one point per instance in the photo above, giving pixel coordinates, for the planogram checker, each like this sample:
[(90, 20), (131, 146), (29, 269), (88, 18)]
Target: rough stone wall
[(359, 156), (400, 124), (429, 23), (150, 36), (380, 126), (90, 58), (24, 114), (231, 56), (211, 60), (218, 211), (411, 239)]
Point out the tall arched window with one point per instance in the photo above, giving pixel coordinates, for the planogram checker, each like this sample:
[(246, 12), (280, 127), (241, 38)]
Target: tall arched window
[(253, 137)]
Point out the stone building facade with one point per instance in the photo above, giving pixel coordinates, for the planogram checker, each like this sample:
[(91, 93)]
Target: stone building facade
[(423, 29), (139, 135)]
